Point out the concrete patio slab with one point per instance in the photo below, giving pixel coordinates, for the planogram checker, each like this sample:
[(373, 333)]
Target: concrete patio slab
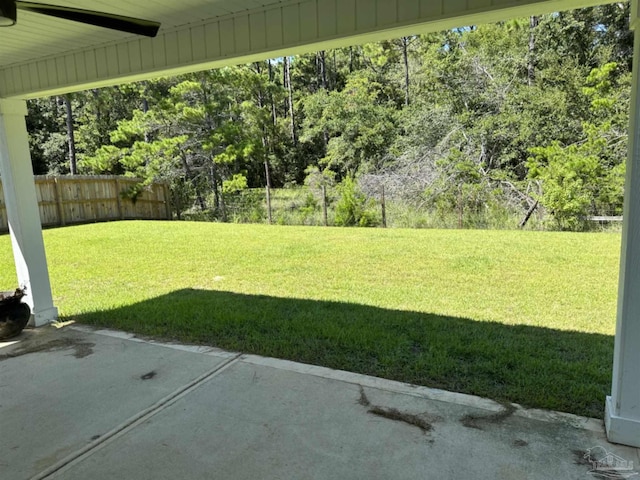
[(61, 390), (246, 417)]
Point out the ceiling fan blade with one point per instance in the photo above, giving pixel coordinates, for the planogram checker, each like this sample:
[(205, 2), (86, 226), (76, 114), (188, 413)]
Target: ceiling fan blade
[(99, 19)]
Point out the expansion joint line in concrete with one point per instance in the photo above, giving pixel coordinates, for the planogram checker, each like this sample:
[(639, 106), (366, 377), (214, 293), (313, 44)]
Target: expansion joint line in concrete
[(133, 422)]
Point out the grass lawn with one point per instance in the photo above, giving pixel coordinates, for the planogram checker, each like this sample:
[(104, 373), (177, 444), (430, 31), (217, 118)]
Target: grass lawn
[(527, 317)]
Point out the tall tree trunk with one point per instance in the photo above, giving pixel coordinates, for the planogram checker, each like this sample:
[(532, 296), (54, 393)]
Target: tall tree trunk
[(71, 139), (322, 72), (531, 58), (322, 68), (260, 93), (274, 113), (292, 115), (192, 179), (214, 185), (268, 188), (96, 98), (405, 57), (145, 109), (334, 73), (350, 59), (286, 79)]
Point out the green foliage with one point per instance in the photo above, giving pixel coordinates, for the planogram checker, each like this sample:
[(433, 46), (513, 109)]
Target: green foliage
[(452, 115), (569, 176), (353, 209), (133, 193), (246, 206), (235, 184), (358, 123), (47, 136), (576, 182), (587, 177), (310, 206)]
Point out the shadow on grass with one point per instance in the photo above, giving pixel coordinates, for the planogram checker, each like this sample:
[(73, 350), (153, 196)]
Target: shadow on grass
[(536, 367)]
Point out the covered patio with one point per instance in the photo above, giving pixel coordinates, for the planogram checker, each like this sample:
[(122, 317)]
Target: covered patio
[(78, 403), (42, 56)]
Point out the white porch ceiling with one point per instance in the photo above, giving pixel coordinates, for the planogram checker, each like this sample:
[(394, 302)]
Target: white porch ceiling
[(37, 35), (44, 55)]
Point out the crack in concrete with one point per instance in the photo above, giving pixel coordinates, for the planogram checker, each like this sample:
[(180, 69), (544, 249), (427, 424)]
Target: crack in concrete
[(102, 440)]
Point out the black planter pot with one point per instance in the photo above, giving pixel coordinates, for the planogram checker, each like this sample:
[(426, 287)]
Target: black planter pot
[(14, 315)]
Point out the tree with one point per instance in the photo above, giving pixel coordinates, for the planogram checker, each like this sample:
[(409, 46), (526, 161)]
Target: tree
[(587, 177), (571, 179), (71, 139), (446, 121), (353, 208), (47, 138), (360, 125)]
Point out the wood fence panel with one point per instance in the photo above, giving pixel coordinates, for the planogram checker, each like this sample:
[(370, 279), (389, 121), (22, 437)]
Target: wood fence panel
[(46, 194), (86, 199)]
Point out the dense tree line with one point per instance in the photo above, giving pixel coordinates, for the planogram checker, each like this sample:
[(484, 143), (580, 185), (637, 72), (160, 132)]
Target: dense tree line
[(503, 119)]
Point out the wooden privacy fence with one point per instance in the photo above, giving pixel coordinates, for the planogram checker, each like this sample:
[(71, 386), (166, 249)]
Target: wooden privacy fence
[(83, 199)]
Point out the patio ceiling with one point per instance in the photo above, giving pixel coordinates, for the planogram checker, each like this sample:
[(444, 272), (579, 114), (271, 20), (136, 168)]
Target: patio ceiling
[(44, 55)]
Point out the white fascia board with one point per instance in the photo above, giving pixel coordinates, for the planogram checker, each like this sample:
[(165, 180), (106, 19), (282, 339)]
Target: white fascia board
[(288, 28)]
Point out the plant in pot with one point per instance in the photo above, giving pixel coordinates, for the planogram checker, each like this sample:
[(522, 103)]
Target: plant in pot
[(14, 315)]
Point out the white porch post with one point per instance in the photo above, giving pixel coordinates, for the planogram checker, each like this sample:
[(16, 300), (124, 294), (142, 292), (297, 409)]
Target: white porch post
[(23, 216), (622, 411)]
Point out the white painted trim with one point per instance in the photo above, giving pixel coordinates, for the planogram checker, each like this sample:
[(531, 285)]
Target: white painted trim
[(204, 350), (576, 421), (625, 431), (15, 107), (622, 410), (635, 14)]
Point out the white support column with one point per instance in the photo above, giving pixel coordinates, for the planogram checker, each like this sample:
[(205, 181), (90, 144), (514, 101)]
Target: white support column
[(23, 215), (622, 411)]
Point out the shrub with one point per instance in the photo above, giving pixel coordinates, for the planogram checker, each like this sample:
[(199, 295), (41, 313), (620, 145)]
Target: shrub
[(353, 207)]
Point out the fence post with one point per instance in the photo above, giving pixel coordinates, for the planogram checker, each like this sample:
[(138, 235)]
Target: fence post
[(167, 202), (324, 206), (118, 201), (59, 205), (460, 208), (384, 210), (266, 169)]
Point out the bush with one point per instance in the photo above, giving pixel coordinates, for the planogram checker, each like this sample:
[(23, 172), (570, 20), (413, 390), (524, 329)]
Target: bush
[(353, 207)]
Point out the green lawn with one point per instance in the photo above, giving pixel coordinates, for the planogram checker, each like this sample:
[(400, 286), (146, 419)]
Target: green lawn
[(527, 317)]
